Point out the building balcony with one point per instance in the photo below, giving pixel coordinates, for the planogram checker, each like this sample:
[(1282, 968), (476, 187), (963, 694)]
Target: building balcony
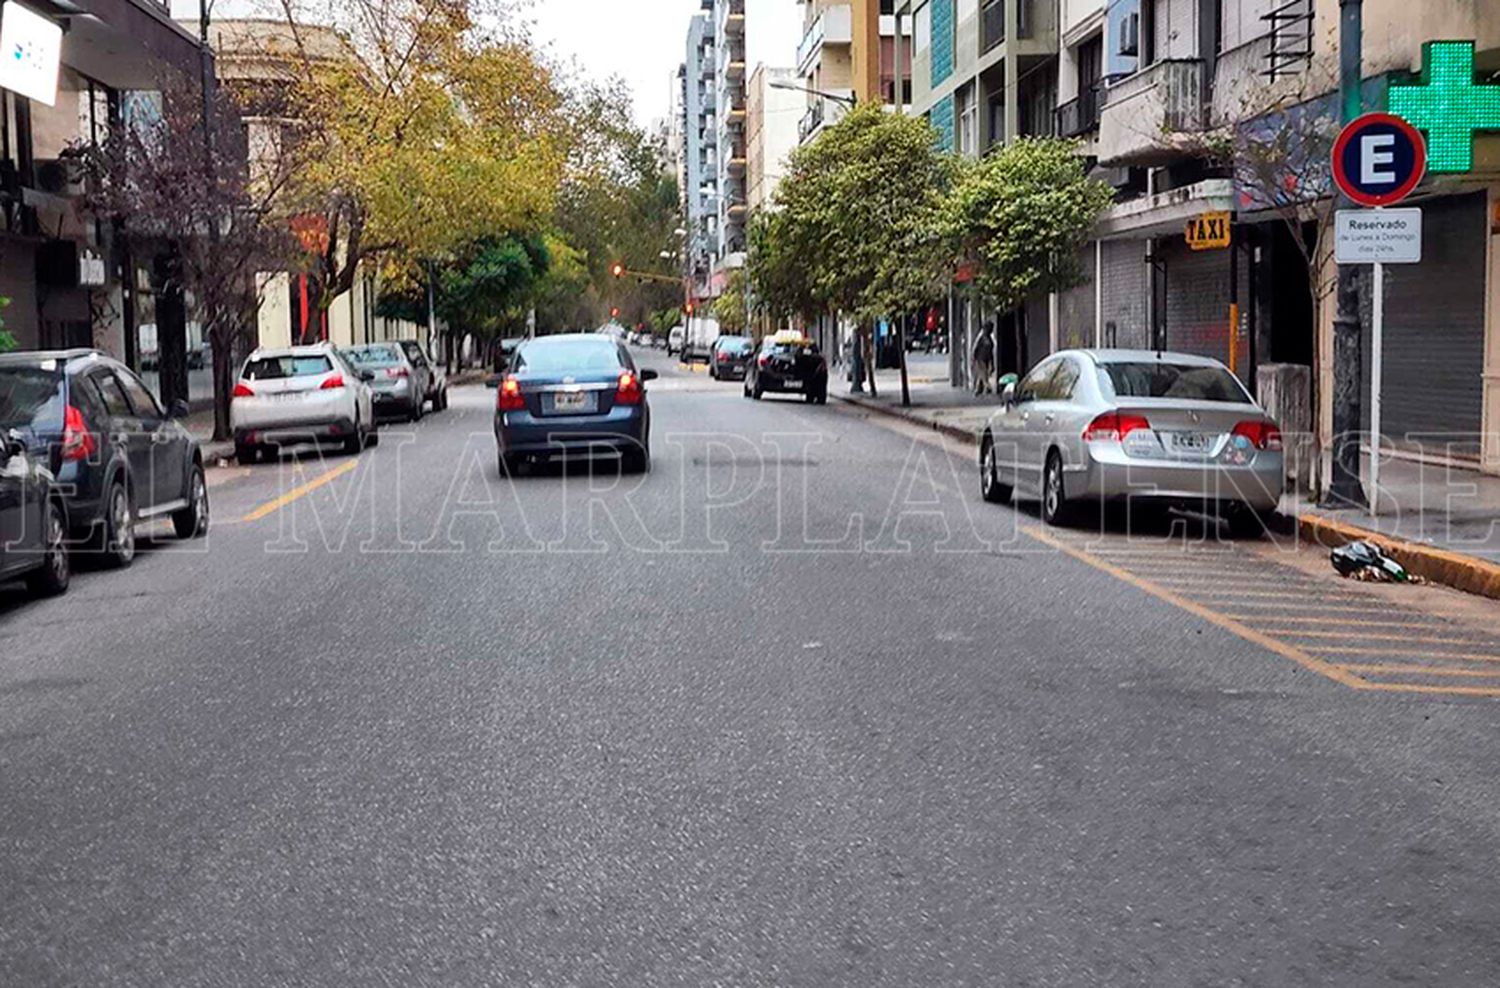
[(1150, 118), (835, 26), (1079, 117)]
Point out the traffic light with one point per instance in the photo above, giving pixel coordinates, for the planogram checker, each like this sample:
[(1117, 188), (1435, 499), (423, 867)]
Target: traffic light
[(688, 308), (614, 313), (617, 269)]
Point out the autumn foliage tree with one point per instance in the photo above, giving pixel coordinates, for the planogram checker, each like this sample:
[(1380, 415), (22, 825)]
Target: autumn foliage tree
[(426, 136), (160, 186)]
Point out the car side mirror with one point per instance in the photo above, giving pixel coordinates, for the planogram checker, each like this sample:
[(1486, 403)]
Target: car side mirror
[(1009, 394), (367, 376), (13, 443), (649, 375), (180, 409), (493, 382)]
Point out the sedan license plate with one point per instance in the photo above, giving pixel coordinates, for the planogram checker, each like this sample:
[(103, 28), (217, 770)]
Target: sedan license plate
[(792, 384), (1190, 442), (572, 401)]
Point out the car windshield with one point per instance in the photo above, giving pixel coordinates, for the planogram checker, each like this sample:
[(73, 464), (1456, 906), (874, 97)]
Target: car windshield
[(280, 368), (374, 356), (31, 398), (1188, 382), (575, 355)]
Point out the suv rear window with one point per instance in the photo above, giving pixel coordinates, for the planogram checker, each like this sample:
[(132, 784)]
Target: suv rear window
[(31, 398), (1185, 381), (575, 354), (280, 368)]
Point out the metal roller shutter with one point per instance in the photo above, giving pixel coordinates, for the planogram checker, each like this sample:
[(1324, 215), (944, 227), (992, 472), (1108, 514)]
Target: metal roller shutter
[(1125, 294), (1434, 332), (1197, 315)]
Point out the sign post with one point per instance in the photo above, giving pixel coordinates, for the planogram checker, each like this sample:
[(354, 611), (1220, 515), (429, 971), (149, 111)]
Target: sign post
[(1377, 161)]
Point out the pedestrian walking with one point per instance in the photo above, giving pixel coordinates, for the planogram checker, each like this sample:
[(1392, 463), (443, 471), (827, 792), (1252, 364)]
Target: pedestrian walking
[(984, 359)]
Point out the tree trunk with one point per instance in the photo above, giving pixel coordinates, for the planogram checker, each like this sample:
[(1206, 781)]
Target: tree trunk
[(867, 341), (222, 339), (901, 348)]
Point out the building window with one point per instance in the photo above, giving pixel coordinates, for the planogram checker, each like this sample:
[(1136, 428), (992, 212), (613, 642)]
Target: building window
[(922, 29), (966, 108)]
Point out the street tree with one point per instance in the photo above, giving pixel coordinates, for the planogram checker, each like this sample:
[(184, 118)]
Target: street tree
[(730, 307), (776, 268), (421, 136), (1018, 217), (863, 206), (199, 209)]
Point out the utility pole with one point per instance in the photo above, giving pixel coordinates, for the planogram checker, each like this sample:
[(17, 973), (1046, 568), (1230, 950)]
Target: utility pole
[(210, 319), (1348, 371)]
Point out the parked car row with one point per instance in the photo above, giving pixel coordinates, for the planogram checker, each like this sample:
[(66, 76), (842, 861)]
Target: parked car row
[(87, 454), (320, 393)]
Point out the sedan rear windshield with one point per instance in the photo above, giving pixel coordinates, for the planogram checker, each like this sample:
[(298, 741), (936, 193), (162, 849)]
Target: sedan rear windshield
[(735, 345), (562, 358), (374, 356), (1187, 382), (280, 368), (31, 398)]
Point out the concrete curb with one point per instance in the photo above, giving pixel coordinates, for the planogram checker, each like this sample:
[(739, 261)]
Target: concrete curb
[(1441, 566), (952, 431)]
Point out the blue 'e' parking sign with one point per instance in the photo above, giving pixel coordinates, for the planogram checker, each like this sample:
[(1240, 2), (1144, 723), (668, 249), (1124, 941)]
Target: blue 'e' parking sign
[(1378, 159)]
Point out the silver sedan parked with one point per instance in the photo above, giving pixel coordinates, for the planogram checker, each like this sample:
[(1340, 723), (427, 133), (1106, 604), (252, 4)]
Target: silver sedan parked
[(1106, 425)]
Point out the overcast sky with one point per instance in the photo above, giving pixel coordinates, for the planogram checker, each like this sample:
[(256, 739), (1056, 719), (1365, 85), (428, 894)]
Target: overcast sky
[(642, 41)]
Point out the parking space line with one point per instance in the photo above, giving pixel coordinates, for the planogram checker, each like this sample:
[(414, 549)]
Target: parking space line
[(1434, 624), (271, 507), (1406, 653), (1402, 669), (1375, 637), (1328, 670)]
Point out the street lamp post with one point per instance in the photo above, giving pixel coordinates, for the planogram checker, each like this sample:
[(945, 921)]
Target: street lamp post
[(850, 101)]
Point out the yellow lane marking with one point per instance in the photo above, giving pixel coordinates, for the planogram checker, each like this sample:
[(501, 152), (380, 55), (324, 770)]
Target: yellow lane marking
[(1297, 655), (1290, 605), (1400, 669), (1281, 594), (1367, 684), (271, 507)]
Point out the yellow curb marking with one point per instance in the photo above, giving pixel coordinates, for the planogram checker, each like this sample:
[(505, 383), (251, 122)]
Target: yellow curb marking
[(1436, 624), (1409, 653), (1358, 636), (271, 507)]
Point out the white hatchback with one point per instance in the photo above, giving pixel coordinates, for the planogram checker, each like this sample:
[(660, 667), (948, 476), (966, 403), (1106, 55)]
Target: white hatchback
[(289, 395)]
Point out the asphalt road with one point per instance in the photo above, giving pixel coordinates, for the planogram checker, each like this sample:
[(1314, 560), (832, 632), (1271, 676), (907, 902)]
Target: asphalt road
[(796, 708)]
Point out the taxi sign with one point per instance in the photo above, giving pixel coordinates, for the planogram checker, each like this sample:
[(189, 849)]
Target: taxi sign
[(1209, 231)]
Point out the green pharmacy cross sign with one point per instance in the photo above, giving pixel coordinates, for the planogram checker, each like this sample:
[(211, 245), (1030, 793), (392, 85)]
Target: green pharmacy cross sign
[(1448, 105)]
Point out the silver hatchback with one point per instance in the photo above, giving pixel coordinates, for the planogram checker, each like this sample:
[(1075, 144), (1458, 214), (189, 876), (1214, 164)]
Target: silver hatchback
[(1111, 425)]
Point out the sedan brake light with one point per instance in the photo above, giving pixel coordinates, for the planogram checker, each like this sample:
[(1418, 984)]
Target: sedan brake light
[(1114, 425), (397, 372), (333, 383), (510, 398), (628, 391), (243, 390), (1261, 433), (77, 441)]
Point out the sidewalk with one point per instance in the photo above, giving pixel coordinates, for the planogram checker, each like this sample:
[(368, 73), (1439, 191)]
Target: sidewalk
[(1440, 522)]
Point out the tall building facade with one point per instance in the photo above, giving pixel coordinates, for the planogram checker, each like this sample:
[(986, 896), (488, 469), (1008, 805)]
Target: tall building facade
[(730, 99), (849, 52), (770, 131), (700, 160)]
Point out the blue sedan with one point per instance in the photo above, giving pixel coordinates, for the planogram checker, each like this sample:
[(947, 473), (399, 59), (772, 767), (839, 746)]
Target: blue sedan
[(573, 395)]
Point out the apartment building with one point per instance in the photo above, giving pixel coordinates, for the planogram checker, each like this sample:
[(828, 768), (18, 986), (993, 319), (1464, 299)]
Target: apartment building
[(728, 183), (1174, 70), (700, 155), (770, 131), (849, 52)]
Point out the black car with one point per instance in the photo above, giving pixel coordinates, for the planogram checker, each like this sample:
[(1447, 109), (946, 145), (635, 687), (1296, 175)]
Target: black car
[(116, 457), (791, 365), (730, 358), (33, 521)]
